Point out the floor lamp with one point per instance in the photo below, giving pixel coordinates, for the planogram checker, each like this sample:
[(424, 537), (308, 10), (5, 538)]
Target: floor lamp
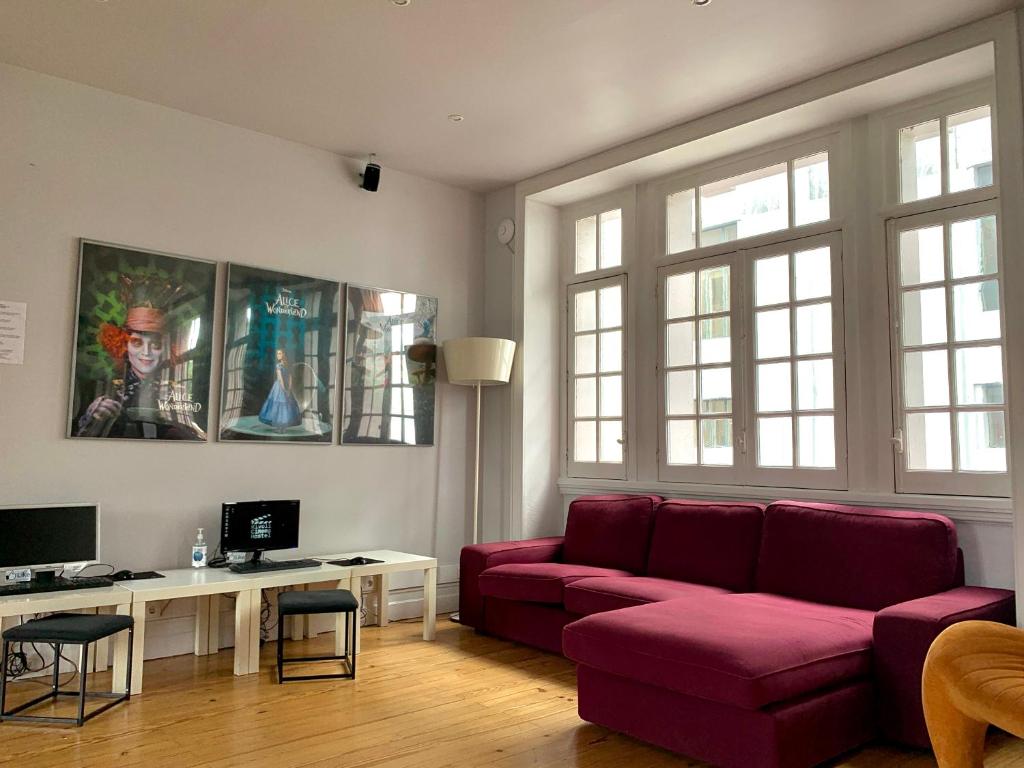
[(478, 362)]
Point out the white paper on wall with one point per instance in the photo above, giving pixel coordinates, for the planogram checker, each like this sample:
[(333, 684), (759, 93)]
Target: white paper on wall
[(13, 315)]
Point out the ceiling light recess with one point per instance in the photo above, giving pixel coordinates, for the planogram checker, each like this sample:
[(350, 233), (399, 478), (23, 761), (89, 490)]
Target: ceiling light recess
[(700, 3), (455, 117)]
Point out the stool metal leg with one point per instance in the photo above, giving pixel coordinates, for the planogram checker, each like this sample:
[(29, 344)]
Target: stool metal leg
[(56, 667), (352, 648), (3, 678), (83, 674), (280, 648)]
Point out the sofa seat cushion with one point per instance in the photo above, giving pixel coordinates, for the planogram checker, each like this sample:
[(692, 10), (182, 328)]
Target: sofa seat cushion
[(537, 582), (748, 650), (609, 593)]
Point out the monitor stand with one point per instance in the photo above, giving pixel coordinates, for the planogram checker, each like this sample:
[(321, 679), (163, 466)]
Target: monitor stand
[(257, 556)]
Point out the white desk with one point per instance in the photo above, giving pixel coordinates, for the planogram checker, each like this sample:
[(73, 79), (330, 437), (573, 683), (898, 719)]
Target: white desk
[(207, 585), (393, 562), (100, 599)]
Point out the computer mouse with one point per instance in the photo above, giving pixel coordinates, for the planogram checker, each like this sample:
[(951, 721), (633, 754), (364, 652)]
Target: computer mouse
[(122, 576), (357, 561)]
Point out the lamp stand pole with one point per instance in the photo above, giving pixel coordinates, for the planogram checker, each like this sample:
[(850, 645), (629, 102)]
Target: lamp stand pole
[(476, 483)]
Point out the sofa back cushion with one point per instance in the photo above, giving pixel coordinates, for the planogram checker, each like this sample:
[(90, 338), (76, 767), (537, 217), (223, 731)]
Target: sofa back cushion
[(609, 531), (703, 542), (855, 557)]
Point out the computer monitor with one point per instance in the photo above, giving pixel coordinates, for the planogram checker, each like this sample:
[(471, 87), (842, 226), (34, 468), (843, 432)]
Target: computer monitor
[(49, 535), (258, 526)]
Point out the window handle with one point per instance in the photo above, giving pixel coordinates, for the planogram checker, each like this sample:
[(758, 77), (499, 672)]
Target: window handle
[(621, 441), (897, 441)]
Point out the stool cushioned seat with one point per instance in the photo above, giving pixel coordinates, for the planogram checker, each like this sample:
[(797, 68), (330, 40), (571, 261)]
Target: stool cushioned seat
[(68, 628), (316, 601)]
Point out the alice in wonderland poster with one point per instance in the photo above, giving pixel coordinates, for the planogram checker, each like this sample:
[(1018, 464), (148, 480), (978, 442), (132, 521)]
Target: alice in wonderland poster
[(143, 345), (280, 357)]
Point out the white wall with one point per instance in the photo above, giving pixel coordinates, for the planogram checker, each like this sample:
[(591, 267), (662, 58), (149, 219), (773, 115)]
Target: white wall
[(79, 162)]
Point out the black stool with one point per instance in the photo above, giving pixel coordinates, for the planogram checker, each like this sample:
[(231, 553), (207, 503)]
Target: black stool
[(59, 630), (311, 602)]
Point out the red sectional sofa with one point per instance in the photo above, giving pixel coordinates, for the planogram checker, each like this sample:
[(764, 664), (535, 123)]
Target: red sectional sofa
[(746, 636)]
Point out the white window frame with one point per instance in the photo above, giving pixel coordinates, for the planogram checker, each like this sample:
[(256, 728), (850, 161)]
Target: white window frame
[(954, 482), (596, 469), (923, 110), (835, 478), (622, 199), (787, 152), (744, 470)]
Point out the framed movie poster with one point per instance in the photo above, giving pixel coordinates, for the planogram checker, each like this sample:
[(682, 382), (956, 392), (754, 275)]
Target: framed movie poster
[(280, 357), (143, 345), (390, 367)]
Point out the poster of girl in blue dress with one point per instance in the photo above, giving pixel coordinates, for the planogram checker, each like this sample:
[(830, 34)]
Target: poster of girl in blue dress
[(280, 357)]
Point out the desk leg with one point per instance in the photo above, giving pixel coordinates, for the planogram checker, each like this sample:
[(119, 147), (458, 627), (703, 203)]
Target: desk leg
[(202, 639), (256, 596), (100, 656), (429, 603), (242, 610), (300, 624), (383, 589), (121, 651), (213, 626), (351, 584), (139, 614)]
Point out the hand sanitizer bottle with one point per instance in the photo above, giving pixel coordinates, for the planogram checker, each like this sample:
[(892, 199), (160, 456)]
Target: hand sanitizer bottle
[(199, 551)]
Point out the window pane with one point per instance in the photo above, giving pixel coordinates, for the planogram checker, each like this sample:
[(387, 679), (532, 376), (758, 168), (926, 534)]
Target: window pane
[(926, 378), (611, 306), (586, 353), (715, 341), (969, 136), (771, 280), (681, 221), (610, 447), (679, 296), (611, 351), (813, 273), (982, 441), (681, 439), (817, 439), (716, 441), (973, 246), (775, 441), (773, 333), (586, 398), (680, 347), (814, 329), (774, 387), (586, 311), (611, 397), (976, 311), (924, 317), (586, 244), (716, 390), (585, 444), (927, 442), (810, 189), (814, 390), (745, 205), (979, 376), (920, 161), (611, 238), (681, 393), (921, 256), (714, 290)]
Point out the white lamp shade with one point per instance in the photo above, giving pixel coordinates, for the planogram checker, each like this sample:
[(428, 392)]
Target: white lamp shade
[(479, 360)]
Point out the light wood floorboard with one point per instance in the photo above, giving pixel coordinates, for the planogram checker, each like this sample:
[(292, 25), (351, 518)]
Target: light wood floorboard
[(464, 701)]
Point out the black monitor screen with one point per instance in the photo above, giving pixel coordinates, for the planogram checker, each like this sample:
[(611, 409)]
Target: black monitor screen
[(48, 535), (248, 526)]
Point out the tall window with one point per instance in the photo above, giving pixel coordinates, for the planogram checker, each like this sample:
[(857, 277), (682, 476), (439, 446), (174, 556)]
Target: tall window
[(769, 366), (948, 349), (596, 378)]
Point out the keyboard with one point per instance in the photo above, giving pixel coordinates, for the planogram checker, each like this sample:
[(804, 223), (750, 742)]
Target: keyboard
[(57, 585), (268, 565)]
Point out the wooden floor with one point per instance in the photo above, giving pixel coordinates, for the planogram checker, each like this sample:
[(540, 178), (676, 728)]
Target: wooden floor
[(464, 701)]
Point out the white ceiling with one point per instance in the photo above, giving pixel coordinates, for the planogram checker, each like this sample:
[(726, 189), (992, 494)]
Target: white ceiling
[(540, 82)]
